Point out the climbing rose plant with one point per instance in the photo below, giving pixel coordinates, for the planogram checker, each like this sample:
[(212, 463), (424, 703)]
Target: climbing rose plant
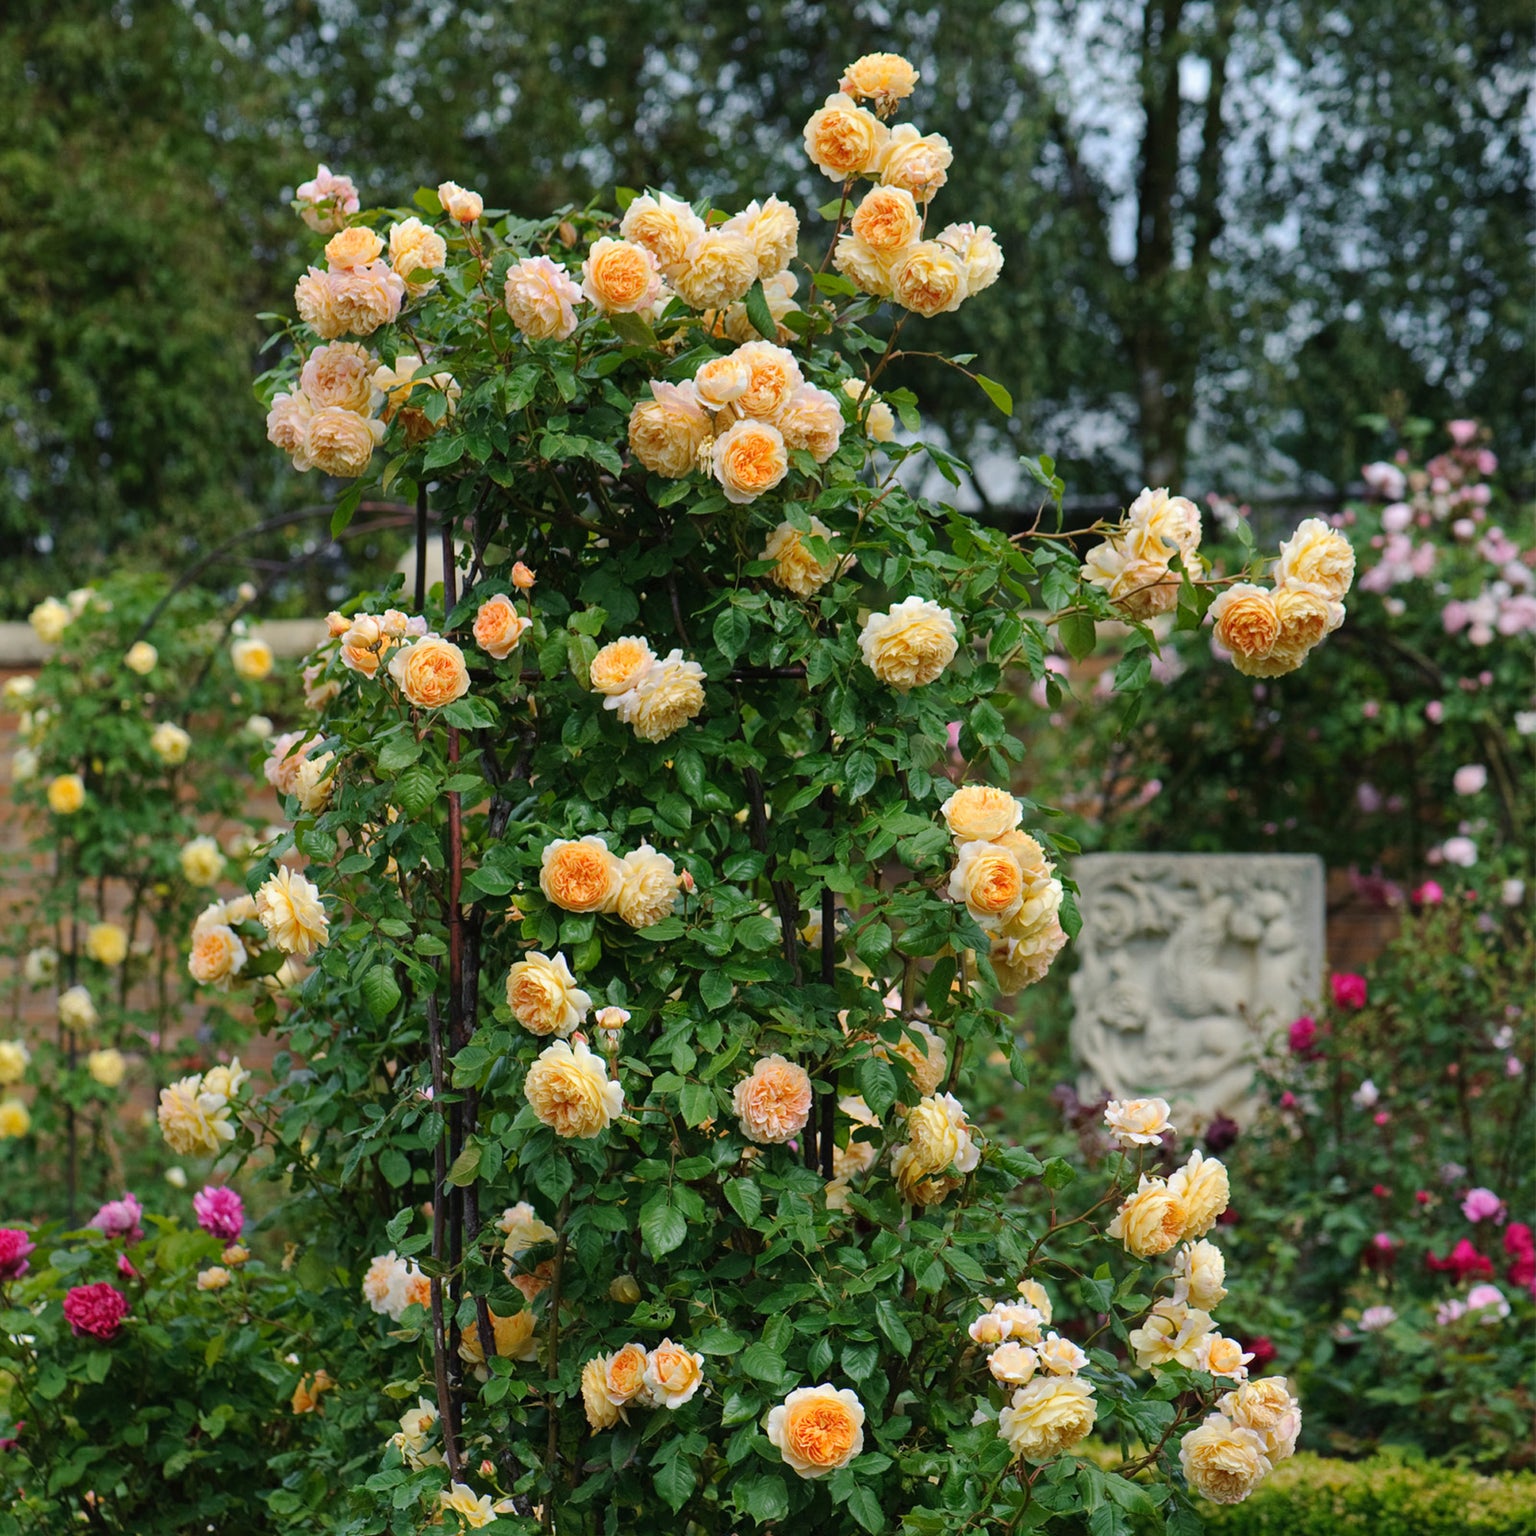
[(654, 947)]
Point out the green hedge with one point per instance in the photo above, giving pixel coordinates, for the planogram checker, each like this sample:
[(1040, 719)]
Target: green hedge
[(1312, 1496)]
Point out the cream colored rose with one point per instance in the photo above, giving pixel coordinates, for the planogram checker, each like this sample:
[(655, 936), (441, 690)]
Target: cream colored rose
[(15, 1119), (543, 995), (314, 782), (938, 1138), (878, 418), (672, 1374), (214, 1278), (413, 249), (580, 875), (910, 644), (858, 1156), (76, 1010), (1246, 622), (1171, 1334), (718, 268), (314, 296), (194, 1122), (979, 813), (773, 1102), (41, 965), (620, 277), (339, 374), (1048, 1416), (722, 380), (887, 220), (773, 227), (647, 887), (170, 743), (1306, 618), (1059, 1356), (601, 1410), (774, 376), (570, 1092), (1138, 1122), (795, 568), (1222, 1461), (979, 254), (340, 443), (356, 246), (202, 861), (499, 626), (14, 1057), (24, 765), (251, 658), (867, 269), (430, 672), (812, 421), (919, 163), (49, 620), (924, 1052), (459, 203), (66, 794), (365, 298), (1035, 1295), (989, 880), (141, 658), (1022, 961), (883, 78), (1202, 1188), (1150, 1221), (624, 1375), (779, 292), (1316, 556), (928, 279), (666, 695), (1267, 1407), (288, 422), (541, 298), (1199, 1270), (665, 226), (1221, 1356), (226, 1081), (1139, 588), (107, 1067), (843, 140), (363, 644), (668, 431), (513, 1336), (817, 1430), (288, 907), (218, 955), (1013, 1364), (618, 665), (748, 460), (399, 384)]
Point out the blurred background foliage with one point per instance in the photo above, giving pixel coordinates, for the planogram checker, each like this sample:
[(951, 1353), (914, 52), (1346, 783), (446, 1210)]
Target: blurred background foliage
[(1232, 229)]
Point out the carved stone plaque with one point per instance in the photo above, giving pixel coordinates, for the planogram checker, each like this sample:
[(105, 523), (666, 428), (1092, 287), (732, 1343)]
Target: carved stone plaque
[(1186, 963)]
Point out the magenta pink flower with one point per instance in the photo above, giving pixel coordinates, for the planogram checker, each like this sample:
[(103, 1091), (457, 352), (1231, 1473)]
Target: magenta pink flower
[(1462, 431), (219, 1212), (1349, 990), (1480, 1204), (95, 1311), (1430, 894), (120, 1218), (1303, 1035), (15, 1245)]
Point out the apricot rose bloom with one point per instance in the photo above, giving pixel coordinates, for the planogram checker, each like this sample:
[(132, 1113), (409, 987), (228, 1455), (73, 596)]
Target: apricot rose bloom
[(414, 249), (843, 139), (979, 813), (773, 1102), (194, 1122), (795, 568), (1198, 1272), (288, 907), (812, 421), (1133, 564), (1137, 1122), (569, 1090), (601, 1410), (938, 1138), (459, 203), (668, 432), (917, 162), (339, 374), (927, 1055), (1267, 1407), (717, 269), (1223, 1461), (339, 442), (354, 247), (540, 297), (1202, 1188), (499, 627), (774, 376), (647, 887), (749, 459), (887, 219), (430, 672), (928, 279), (1150, 1221), (624, 1376), (989, 880), (979, 254), (364, 298), (1246, 623), (288, 424), (664, 225), (1048, 1416), (883, 78), (327, 200), (865, 267), (672, 1375), (817, 1430), (543, 995), (314, 298), (1317, 556), (721, 381), (773, 227), (513, 1336), (620, 277), (218, 954), (580, 875), (618, 665), (909, 644)]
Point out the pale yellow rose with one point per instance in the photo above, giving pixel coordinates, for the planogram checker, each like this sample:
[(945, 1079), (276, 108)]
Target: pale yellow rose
[(938, 1138), (909, 644), (524, 1229), (858, 1156), (499, 626), (1268, 1407), (107, 1066), (251, 659), (1036, 1296), (919, 163), (1221, 1356), (49, 620), (774, 376), (773, 227), (288, 422), (980, 813), (928, 279), (414, 248), (926, 1055), (541, 298), (339, 375), (543, 995), (430, 672), (844, 140), (795, 568), (314, 296), (364, 298), (1020, 961), (773, 1102), (672, 1375), (1306, 618), (15, 1119), (514, 1337), (601, 1410), (717, 269), (288, 907), (14, 1057), (979, 254), (1317, 556), (617, 666), (459, 1498), (722, 381), (1170, 1334), (170, 743), (1138, 1122), (620, 277), (226, 1080), (869, 270), (668, 432), (24, 765), (812, 421), (887, 220), (883, 78), (1012, 1363), (580, 875), (1198, 1272), (202, 861), (214, 1278), (314, 782), (817, 1430), (878, 418), (647, 887), (748, 460), (141, 658), (1059, 1356), (664, 225), (106, 944), (1048, 1416), (353, 247), (459, 203), (66, 794), (218, 955), (1202, 1188), (1150, 1221), (413, 1438), (1246, 623), (1222, 1461), (339, 442), (399, 384), (569, 1091), (989, 880), (193, 1121)]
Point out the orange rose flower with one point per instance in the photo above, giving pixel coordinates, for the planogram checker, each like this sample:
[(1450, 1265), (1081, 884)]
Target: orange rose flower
[(817, 1430), (499, 627), (430, 672), (774, 1102), (581, 875)]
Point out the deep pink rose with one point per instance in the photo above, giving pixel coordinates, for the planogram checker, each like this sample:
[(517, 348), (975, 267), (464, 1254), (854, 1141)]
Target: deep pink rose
[(15, 1245), (1518, 1239), (1381, 1251), (1303, 1035), (120, 1218), (95, 1311), (1430, 894), (1262, 1349), (1462, 1261), (219, 1212), (1349, 990)]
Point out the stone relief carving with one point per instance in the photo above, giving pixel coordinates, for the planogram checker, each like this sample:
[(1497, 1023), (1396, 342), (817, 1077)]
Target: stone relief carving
[(1185, 963)]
